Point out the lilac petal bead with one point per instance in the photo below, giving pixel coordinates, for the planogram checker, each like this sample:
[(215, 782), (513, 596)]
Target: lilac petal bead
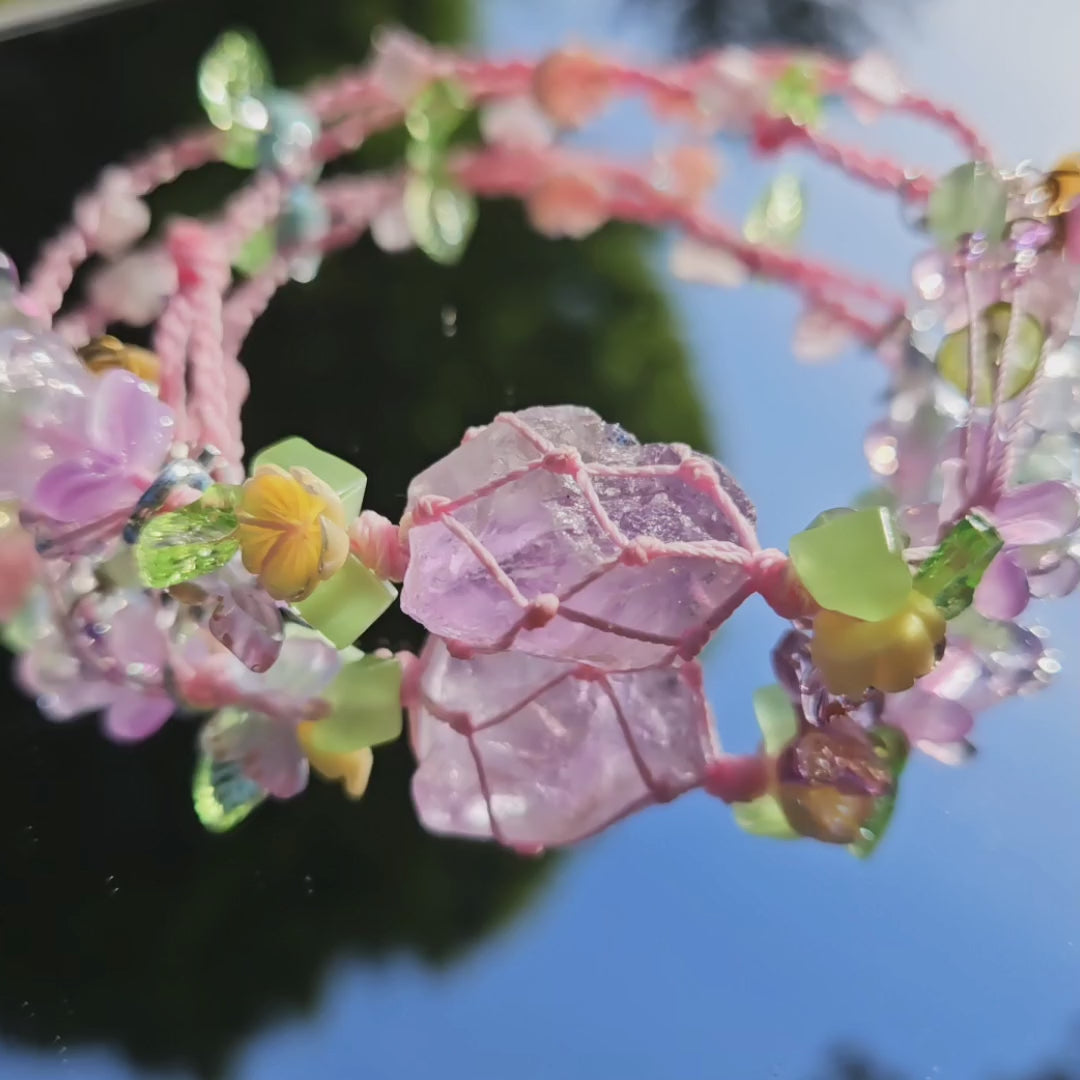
[(554, 497), (526, 751), (1003, 592), (245, 619), (266, 748), (1037, 513), (926, 717), (135, 716)]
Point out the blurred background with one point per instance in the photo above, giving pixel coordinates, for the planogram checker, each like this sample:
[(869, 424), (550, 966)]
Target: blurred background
[(338, 940)]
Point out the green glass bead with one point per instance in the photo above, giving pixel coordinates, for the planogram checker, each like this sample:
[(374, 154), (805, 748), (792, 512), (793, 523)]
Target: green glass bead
[(764, 816), (951, 573), (854, 564), (1020, 368), (365, 704), (797, 95), (257, 251), (436, 114), (222, 795), (777, 217), (185, 544), (891, 748), (972, 199), (347, 481), (775, 717), (231, 73), (344, 606), (441, 217)]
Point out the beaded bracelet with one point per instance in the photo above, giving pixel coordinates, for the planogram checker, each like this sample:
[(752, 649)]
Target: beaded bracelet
[(568, 575)]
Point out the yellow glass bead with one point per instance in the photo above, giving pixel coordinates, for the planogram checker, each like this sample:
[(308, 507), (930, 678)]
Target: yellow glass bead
[(1065, 184), (102, 354), (352, 769), (854, 656), (291, 531)]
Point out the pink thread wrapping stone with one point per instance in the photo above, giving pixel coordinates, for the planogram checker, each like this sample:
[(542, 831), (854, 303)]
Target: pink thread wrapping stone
[(557, 534), (536, 753)]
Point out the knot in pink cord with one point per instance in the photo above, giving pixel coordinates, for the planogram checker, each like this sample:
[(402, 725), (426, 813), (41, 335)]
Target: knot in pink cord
[(428, 508), (540, 611), (773, 577), (563, 462), (376, 542), (640, 551), (737, 779), (198, 254)]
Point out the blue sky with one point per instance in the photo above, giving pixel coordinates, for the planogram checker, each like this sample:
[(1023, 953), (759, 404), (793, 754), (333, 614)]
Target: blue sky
[(673, 946)]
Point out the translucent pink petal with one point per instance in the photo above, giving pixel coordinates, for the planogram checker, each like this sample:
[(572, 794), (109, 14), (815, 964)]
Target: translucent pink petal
[(921, 524), (1003, 592), (134, 716), (77, 492), (1058, 581), (267, 750), (50, 674), (1037, 513), (248, 623), (925, 717), (127, 419)]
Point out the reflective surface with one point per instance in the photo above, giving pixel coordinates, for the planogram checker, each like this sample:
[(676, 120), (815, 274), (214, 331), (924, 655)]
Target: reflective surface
[(330, 939)]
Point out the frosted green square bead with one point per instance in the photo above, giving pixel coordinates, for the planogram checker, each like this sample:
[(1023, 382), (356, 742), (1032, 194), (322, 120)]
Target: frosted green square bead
[(365, 707), (344, 606), (854, 563), (954, 569)]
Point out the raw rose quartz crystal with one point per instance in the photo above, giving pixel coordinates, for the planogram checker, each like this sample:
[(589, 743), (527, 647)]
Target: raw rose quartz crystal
[(553, 533), (534, 752)]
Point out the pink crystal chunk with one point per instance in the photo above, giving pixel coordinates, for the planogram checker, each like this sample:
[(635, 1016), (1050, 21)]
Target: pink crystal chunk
[(535, 753), (552, 532)]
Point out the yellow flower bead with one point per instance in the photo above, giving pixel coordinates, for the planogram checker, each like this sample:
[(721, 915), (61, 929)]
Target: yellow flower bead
[(105, 353), (1065, 184), (889, 655), (353, 770), (291, 531)]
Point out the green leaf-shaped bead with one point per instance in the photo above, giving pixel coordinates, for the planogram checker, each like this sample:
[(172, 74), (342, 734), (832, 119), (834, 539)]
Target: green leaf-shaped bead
[(1020, 366), (951, 573), (185, 544), (441, 217), (222, 795), (365, 707), (891, 748), (231, 73), (764, 816), (777, 217), (797, 95), (854, 563), (775, 717), (970, 200), (436, 113)]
